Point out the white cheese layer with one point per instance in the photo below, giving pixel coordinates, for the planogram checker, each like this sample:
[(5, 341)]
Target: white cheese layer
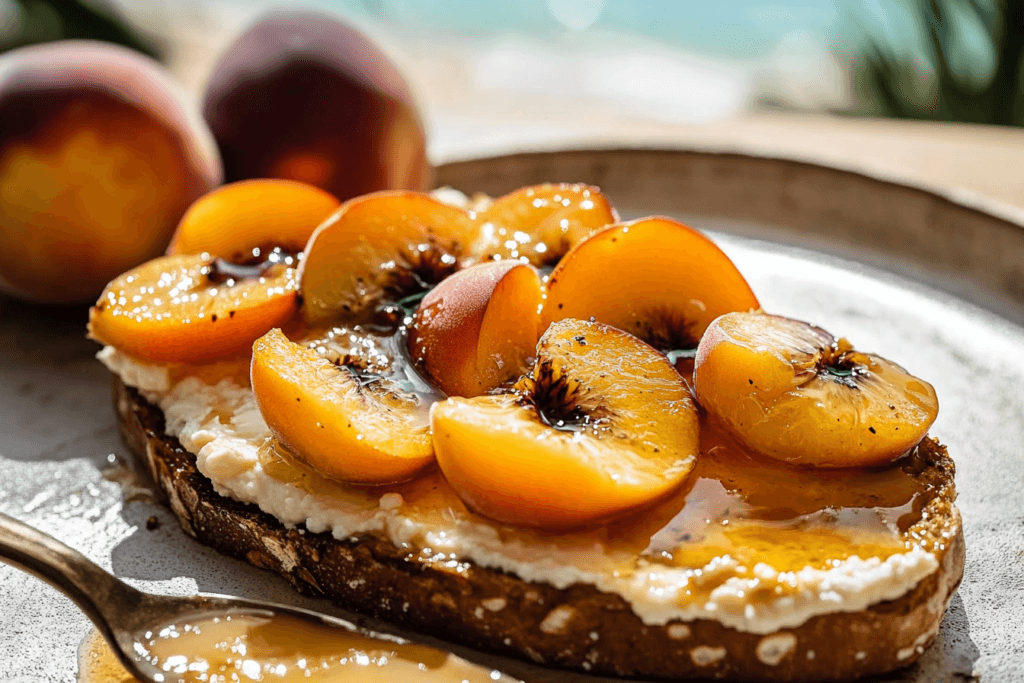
[(227, 452)]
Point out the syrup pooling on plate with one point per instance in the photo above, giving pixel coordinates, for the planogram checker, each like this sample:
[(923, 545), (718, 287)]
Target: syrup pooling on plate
[(278, 648)]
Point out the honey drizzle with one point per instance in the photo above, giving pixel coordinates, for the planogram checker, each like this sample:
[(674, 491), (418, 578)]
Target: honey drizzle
[(279, 648), (734, 504)]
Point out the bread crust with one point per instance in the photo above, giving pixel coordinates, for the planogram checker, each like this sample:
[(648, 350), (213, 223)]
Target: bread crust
[(578, 628)]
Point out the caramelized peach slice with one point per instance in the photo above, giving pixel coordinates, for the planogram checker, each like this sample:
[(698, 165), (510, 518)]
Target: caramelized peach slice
[(477, 329), (379, 247), (190, 309), (541, 223), (602, 424), (792, 392), (656, 278), (235, 219), (343, 417)]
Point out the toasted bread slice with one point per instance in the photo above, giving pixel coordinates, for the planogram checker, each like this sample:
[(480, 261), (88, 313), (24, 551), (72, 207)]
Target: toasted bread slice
[(578, 627)]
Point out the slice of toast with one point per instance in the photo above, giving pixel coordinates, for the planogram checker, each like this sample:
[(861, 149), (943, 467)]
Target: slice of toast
[(578, 627)]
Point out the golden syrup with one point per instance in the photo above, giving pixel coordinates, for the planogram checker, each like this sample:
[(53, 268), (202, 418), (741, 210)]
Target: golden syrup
[(279, 648), (759, 510), (734, 503), (97, 663)]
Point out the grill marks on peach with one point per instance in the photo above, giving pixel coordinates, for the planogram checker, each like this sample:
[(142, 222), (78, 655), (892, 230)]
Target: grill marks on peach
[(601, 423), (329, 418), (793, 392), (633, 438), (655, 278), (391, 244), (170, 310), (378, 247)]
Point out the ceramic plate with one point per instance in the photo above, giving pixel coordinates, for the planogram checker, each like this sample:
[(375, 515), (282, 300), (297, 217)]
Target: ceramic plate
[(928, 280)]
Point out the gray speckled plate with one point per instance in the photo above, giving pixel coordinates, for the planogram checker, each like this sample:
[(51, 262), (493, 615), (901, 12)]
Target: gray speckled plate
[(931, 282)]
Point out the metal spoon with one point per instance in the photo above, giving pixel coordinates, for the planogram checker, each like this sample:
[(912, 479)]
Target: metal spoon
[(122, 614)]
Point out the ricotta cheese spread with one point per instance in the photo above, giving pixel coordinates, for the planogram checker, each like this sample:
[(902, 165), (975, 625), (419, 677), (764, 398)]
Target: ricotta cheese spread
[(221, 424)]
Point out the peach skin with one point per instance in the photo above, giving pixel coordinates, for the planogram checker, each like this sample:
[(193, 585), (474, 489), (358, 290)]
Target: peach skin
[(477, 329)]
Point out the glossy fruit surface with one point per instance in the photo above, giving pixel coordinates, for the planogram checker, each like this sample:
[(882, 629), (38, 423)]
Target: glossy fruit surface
[(236, 218), (343, 420), (99, 159), (541, 223), (603, 424), (187, 309), (475, 330), (791, 391), (655, 278), (303, 96), (381, 247)]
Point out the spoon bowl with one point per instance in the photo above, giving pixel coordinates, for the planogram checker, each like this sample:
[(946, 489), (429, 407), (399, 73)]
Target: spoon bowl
[(127, 617)]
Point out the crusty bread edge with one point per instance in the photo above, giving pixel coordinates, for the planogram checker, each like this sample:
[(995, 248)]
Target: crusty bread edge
[(576, 628)]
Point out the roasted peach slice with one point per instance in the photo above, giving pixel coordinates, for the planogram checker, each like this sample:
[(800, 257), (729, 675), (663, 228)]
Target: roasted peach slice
[(476, 330), (379, 247), (343, 416), (602, 424), (541, 223), (656, 278), (235, 219), (793, 392), (191, 309)]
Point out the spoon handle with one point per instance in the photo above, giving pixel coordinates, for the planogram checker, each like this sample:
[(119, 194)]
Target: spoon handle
[(99, 594)]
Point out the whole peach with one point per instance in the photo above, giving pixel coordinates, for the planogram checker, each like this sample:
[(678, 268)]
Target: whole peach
[(302, 96), (99, 159)]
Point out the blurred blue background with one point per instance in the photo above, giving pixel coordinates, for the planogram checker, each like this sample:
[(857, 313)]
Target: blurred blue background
[(954, 60)]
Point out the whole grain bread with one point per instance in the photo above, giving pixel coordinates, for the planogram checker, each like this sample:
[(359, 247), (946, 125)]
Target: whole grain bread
[(580, 627)]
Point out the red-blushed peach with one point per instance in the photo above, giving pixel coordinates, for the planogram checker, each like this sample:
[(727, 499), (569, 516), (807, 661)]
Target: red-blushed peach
[(237, 218), (655, 278), (603, 424), (476, 330), (99, 158), (793, 392), (304, 96)]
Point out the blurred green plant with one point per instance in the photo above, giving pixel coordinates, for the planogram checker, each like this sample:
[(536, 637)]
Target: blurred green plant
[(39, 21), (986, 91)]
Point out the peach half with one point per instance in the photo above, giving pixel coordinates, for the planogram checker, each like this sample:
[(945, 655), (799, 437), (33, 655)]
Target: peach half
[(477, 329), (237, 218), (541, 223), (655, 278), (347, 422), (190, 309), (792, 392), (377, 248), (602, 424)]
